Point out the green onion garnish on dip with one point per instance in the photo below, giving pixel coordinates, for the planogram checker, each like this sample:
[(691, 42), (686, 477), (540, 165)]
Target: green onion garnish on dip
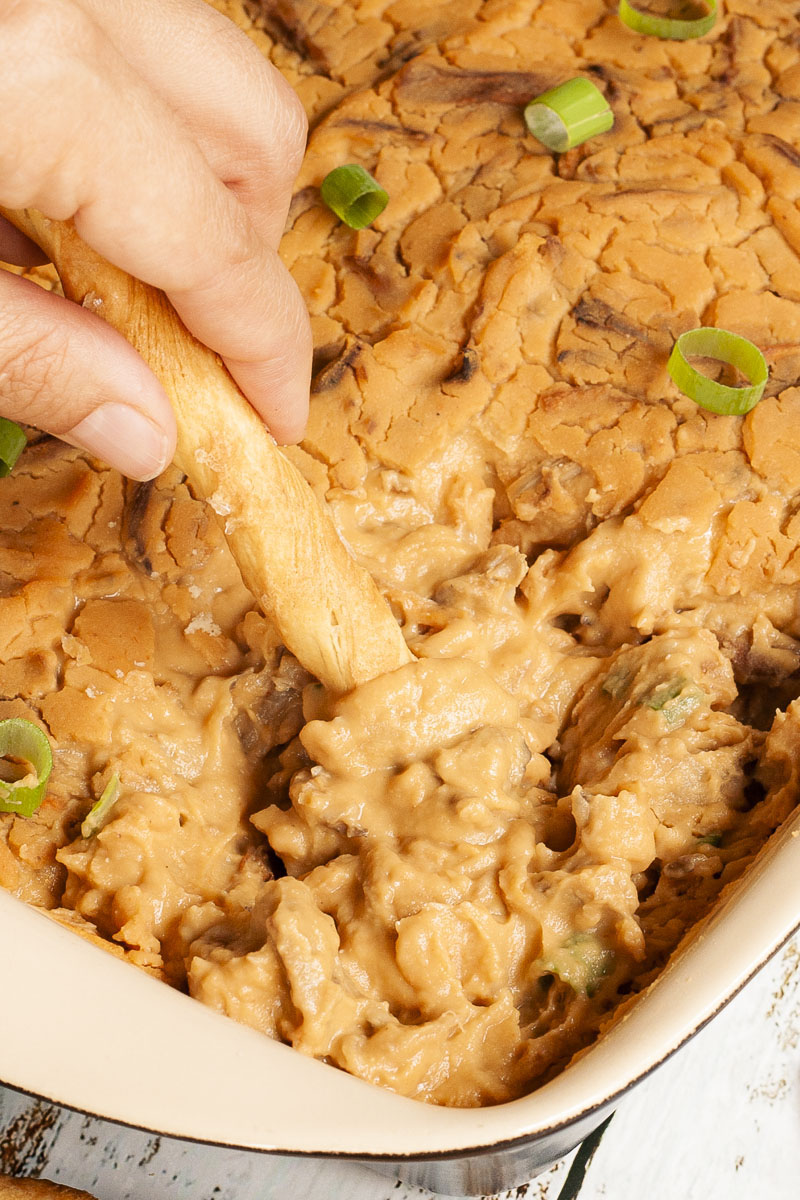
[(26, 761), (12, 443), (99, 811), (725, 347), (568, 115), (678, 28), (355, 197)]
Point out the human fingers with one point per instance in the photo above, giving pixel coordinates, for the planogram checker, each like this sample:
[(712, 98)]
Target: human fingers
[(248, 122), (112, 156), (269, 352), (66, 371)]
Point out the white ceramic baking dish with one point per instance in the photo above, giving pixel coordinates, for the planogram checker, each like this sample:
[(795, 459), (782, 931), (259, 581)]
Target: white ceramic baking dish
[(88, 1031)]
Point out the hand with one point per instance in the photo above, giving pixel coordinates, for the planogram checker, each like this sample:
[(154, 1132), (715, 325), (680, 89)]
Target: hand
[(162, 132)]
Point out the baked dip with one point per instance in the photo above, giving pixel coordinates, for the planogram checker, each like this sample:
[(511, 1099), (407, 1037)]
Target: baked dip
[(449, 880)]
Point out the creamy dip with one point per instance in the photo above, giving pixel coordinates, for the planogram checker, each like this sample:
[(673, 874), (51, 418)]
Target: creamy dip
[(449, 880)]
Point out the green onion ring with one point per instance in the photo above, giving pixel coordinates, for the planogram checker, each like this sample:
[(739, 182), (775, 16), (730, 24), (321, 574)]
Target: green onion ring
[(725, 347), (568, 115), (355, 197), (675, 28), (99, 811), (24, 743), (12, 443)]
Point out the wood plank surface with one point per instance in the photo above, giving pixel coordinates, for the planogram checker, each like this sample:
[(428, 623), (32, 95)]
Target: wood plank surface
[(719, 1121)]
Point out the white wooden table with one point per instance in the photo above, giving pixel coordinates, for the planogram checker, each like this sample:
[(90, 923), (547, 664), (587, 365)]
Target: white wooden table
[(720, 1121)]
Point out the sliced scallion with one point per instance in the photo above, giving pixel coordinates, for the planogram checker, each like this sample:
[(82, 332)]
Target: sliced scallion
[(12, 443), (582, 961), (617, 683), (725, 347), (99, 811), (678, 28), (568, 115), (662, 693), (354, 195), (26, 761)]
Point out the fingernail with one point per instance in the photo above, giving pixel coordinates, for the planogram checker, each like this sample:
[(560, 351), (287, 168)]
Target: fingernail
[(124, 438)]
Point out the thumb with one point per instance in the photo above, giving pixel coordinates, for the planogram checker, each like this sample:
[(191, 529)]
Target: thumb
[(67, 372)]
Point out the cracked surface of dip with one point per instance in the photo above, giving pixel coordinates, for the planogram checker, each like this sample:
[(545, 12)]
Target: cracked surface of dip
[(449, 880)]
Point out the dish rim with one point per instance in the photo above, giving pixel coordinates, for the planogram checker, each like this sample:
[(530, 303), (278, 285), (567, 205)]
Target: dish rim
[(600, 1070)]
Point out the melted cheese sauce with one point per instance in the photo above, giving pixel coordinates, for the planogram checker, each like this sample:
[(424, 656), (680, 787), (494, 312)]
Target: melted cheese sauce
[(448, 881)]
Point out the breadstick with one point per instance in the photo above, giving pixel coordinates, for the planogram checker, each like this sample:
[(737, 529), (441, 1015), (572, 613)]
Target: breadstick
[(326, 608)]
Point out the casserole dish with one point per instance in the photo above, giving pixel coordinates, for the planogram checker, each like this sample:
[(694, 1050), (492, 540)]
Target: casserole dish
[(129, 1050), (502, 320)]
